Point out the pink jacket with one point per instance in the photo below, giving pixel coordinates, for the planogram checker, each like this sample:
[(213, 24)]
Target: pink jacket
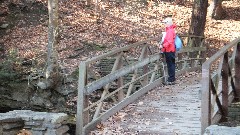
[(168, 42)]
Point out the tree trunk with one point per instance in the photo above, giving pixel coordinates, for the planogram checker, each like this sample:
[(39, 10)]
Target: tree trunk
[(52, 67), (198, 20), (216, 10)]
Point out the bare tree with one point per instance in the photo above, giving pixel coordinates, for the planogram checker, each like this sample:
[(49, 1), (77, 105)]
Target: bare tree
[(51, 73), (198, 21), (216, 10)]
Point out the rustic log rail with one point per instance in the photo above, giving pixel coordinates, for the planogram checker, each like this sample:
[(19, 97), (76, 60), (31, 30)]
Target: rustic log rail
[(148, 70), (220, 84)]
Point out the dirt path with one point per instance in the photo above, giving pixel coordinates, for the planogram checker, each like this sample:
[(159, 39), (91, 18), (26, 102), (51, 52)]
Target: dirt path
[(166, 110)]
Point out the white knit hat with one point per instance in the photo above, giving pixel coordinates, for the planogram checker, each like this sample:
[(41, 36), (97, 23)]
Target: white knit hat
[(168, 21)]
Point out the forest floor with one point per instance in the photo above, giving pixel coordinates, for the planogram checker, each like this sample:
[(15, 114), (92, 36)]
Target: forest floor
[(85, 33)]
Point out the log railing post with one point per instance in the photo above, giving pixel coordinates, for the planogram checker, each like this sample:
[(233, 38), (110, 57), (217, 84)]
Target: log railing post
[(225, 80), (145, 68), (203, 54), (205, 98), (82, 117), (154, 73), (200, 54), (120, 82), (237, 74)]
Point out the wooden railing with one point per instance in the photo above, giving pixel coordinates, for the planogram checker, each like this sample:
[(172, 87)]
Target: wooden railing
[(220, 84), (109, 82)]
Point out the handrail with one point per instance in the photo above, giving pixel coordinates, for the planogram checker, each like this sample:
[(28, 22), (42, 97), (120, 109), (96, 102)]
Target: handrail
[(129, 76), (221, 52), (119, 50), (121, 72), (122, 49), (215, 99)]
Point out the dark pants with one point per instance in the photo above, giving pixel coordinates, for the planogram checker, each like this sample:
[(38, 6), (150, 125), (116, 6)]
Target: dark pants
[(170, 60)]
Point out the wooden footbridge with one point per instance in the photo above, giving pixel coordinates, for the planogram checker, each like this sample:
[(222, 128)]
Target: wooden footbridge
[(110, 82)]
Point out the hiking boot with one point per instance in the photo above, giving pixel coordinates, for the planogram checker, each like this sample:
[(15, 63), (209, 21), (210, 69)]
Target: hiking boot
[(169, 83)]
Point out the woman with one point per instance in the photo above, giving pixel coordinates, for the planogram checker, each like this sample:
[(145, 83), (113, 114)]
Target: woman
[(168, 48)]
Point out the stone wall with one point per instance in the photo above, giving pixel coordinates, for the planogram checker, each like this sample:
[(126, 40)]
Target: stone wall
[(37, 123), (234, 112), (222, 130), (231, 127)]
